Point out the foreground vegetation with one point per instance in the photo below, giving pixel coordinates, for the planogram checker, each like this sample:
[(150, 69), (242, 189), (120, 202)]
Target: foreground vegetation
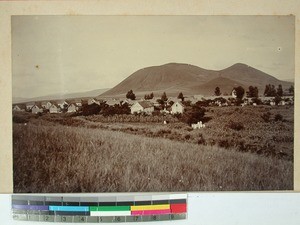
[(86, 160), (241, 148)]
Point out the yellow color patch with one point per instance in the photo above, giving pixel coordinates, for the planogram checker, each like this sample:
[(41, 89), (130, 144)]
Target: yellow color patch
[(149, 207)]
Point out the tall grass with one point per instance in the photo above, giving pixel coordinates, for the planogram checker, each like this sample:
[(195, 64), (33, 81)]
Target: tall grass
[(241, 129), (61, 158)]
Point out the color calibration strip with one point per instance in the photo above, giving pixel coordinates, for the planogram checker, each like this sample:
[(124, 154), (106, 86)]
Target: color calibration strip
[(100, 209)]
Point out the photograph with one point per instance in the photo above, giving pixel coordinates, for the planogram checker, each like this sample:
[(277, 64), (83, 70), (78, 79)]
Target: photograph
[(152, 103)]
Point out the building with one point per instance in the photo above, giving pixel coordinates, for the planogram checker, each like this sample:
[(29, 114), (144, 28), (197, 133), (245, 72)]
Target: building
[(177, 107), (142, 107), (233, 93), (54, 108), (92, 100), (37, 108), (76, 102), (29, 105), (112, 102), (19, 107), (173, 99), (72, 108), (127, 101), (62, 104), (46, 105)]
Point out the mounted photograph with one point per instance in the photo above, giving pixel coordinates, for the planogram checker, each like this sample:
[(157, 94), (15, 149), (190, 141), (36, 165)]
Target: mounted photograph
[(152, 103)]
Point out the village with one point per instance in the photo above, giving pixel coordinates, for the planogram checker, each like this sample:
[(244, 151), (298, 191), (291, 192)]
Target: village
[(149, 106), (218, 128)]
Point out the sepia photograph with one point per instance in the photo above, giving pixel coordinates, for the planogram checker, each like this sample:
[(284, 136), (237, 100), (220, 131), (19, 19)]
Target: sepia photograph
[(152, 103)]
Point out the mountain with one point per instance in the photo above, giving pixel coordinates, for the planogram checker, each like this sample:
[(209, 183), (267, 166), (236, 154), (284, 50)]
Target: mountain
[(189, 79), (223, 83), (86, 94)]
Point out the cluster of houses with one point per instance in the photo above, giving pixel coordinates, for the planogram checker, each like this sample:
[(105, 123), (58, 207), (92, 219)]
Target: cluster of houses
[(172, 106), (49, 106), (148, 107), (71, 106)]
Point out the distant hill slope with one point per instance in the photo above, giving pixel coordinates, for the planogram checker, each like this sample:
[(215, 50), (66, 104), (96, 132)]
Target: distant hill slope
[(92, 93), (189, 79), (223, 83)]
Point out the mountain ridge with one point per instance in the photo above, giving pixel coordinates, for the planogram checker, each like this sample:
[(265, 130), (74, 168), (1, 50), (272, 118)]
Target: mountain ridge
[(85, 94), (190, 79)]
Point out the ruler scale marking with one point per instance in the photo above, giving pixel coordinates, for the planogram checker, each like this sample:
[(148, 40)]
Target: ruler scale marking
[(102, 209)]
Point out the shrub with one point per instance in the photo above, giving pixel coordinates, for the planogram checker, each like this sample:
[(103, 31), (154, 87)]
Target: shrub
[(235, 125), (257, 101), (201, 140), (278, 117), (90, 109), (20, 119), (224, 143), (266, 117), (187, 137)]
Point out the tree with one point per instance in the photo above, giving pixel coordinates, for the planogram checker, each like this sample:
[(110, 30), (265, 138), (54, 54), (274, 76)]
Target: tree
[(193, 115), (170, 103), (279, 90), (266, 90), (130, 95), (90, 109), (291, 89), (180, 96), (164, 97), (149, 96), (270, 91), (161, 102), (277, 99), (240, 91), (257, 101), (217, 91), (116, 109), (253, 92), (64, 108)]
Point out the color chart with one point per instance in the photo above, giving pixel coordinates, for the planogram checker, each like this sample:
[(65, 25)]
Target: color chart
[(99, 209)]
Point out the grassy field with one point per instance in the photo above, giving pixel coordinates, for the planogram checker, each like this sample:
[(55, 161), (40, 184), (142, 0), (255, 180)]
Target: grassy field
[(58, 153)]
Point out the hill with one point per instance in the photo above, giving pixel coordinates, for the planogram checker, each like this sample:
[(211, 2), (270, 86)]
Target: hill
[(189, 79), (223, 83), (86, 94)]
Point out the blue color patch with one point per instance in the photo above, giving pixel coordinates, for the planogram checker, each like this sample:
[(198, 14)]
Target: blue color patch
[(69, 208)]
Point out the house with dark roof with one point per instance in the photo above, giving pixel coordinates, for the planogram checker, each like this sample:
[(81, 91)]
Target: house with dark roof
[(46, 104), (76, 102), (142, 107), (62, 103), (29, 105)]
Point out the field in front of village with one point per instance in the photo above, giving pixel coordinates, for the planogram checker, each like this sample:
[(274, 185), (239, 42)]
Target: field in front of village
[(241, 148)]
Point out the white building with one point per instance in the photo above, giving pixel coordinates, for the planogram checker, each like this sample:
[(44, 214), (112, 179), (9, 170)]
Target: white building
[(142, 107), (37, 108), (54, 108), (72, 108), (177, 107)]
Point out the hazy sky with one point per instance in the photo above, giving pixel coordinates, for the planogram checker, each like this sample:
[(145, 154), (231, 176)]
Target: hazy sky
[(65, 54)]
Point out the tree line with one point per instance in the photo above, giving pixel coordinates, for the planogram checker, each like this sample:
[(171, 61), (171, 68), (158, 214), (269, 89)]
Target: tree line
[(270, 91)]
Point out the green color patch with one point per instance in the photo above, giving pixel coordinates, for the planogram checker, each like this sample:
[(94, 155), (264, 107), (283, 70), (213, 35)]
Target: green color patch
[(109, 208)]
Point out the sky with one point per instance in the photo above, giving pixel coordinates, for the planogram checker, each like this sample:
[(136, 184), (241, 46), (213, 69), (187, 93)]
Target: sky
[(68, 54)]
